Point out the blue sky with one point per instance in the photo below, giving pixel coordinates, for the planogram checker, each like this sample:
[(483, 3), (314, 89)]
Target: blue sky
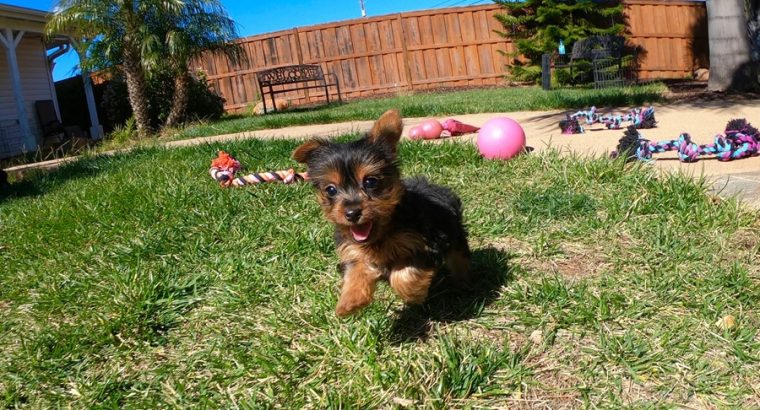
[(277, 15)]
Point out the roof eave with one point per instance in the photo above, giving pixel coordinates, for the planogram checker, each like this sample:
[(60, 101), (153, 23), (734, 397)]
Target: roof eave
[(22, 18)]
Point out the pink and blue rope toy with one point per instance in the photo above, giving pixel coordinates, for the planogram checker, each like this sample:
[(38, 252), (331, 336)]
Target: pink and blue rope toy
[(740, 140), (638, 117)]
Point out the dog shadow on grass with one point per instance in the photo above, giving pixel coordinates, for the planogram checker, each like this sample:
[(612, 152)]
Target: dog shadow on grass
[(18, 190), (446, 305)]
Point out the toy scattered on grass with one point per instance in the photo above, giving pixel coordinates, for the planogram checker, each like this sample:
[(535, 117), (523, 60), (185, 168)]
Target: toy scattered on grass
[(415, 133), (224, 167), (501, 138), (740, 140), (432, 129), (428, 129), (452, 128), (638, 117)]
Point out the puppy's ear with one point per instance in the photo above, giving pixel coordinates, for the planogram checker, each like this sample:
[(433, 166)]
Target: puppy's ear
[(304, 151), (387, 129)]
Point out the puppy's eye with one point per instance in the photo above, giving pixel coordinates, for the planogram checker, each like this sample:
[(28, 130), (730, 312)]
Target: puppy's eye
[(331, 191), (370, 182)]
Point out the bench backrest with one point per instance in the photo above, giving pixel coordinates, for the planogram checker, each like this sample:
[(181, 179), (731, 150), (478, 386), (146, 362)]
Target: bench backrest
[(588, 48), (290, 74)]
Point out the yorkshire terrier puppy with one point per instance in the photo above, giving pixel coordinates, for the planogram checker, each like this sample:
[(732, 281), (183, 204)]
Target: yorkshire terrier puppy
[(402, 231)]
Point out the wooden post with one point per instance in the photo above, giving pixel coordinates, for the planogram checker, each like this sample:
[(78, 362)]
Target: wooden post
[(96, 130), (546, 72), (10, 42), (730, 49), (299, 55), (299, 51), (407, 69)]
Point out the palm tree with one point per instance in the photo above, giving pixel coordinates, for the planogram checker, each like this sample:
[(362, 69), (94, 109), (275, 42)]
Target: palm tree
[(730, 53), (199, 26), (116, 31), (144, 37)]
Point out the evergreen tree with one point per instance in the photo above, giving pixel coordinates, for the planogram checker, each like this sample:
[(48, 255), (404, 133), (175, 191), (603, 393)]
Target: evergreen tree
[(537, 26)]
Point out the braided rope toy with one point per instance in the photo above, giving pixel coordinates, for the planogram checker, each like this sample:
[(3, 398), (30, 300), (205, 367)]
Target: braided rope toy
[(740, 140), (638, 117), (224, 167)]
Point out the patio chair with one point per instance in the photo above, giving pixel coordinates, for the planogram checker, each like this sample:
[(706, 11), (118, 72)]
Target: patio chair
[(49, 123), (52, 129)]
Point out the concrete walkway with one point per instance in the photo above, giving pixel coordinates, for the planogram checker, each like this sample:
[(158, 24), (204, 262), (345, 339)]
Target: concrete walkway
[(701, 119)]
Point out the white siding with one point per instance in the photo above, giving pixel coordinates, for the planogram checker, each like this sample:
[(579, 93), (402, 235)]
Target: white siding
[(35, 83)]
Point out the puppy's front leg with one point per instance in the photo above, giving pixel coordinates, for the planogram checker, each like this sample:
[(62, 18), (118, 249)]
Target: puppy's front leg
[(359, 283)]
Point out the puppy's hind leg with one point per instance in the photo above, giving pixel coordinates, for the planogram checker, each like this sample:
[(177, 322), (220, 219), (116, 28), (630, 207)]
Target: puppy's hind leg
[(460, 267), (411, 283)]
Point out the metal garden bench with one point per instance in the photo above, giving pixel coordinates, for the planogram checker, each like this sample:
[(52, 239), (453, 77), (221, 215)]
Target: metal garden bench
[(304, 76)]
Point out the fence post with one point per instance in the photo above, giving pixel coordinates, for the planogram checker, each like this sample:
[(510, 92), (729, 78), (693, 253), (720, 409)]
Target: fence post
[(299, 57), (546, 72), (299, 51), (407, 69)]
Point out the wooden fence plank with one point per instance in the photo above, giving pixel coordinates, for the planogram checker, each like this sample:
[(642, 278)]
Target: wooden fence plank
[(404, 59)]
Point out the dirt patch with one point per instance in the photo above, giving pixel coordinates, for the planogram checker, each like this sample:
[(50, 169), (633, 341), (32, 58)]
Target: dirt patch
[(548, 402), (747, 239), (632, 392), (576, 262), (505, 244), (5, 306), (555, 368), (576, 268), (693, 90)]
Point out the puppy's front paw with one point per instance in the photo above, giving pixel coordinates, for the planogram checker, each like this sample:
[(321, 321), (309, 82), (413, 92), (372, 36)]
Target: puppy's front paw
[(350, 304)]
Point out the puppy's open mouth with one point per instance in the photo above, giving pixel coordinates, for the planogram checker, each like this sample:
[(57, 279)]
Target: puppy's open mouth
[(361, 232)]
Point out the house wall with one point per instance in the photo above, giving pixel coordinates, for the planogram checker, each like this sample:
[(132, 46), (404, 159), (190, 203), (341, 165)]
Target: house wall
[(35, 83)]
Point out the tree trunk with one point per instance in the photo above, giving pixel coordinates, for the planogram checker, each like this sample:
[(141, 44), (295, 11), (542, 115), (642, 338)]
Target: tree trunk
[(137, 90), (730, 63), (179, 102)]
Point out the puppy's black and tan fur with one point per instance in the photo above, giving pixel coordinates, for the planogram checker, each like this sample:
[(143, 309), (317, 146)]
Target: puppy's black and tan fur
[(402, 231)]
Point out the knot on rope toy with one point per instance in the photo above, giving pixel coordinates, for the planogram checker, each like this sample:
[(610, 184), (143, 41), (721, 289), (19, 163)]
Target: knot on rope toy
[(633, 146), (224, 167), (687, 150), (571, 126)]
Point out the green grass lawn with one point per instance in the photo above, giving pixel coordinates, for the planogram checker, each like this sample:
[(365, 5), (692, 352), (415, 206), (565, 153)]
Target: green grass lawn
[(432, 104), (134, 281)]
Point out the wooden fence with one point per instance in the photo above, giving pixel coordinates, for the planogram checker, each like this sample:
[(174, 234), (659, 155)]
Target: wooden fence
[(671, 34), (452, 47)]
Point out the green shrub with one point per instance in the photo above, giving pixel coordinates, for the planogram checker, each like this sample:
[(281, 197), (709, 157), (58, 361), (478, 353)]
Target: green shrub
[(202, 102), (124, 132)]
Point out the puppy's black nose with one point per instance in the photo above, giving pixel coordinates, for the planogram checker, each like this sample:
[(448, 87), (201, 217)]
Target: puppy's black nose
[(353, 214)]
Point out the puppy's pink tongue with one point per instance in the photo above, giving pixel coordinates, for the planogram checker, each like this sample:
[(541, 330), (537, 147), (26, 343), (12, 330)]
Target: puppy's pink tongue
[(361, 232)]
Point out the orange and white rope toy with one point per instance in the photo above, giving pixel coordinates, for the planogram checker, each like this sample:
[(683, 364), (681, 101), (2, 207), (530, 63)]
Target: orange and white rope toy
[(224, 167)]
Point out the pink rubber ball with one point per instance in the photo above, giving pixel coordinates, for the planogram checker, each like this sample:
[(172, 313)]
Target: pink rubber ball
[(501, 138), (431, 129), (415, 132)]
